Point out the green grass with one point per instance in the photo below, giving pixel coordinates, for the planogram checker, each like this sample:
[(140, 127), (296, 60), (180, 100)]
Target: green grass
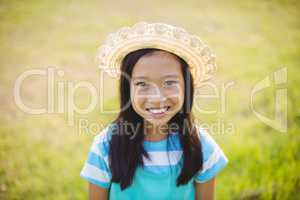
[(41, 156)]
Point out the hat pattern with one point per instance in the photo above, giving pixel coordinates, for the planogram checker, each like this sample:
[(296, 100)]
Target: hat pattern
[(189, 47)]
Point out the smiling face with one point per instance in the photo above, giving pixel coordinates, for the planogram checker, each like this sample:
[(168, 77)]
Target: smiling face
[(157, 87)]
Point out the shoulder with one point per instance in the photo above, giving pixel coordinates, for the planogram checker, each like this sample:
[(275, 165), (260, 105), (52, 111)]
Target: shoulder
[(96, 168), (101, 141), (214, 159), (106, 133), (208, 143)]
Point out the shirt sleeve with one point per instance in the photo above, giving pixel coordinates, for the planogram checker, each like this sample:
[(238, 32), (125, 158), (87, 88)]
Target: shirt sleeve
[(213, 157), (96, 167)]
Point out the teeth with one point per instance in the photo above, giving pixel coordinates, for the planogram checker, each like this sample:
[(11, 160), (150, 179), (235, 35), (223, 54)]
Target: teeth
[(158, 110)]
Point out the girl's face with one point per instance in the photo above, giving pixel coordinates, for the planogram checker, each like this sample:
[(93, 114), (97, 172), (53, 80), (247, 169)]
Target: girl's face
[(157, 87)]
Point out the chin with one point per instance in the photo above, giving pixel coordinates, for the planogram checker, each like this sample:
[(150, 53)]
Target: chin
[(157, 122)]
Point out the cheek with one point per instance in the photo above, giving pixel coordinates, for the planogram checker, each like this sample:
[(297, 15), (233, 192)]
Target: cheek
[(176, 102), (176, 95), (137, 99)]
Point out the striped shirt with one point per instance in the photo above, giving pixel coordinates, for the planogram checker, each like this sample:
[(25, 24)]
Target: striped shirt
[(157, 178)]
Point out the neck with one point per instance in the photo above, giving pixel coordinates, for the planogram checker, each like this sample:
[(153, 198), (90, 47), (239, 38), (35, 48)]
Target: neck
[(155, 132)]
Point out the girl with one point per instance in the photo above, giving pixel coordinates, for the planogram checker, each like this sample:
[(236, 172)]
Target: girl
[(154, 150)]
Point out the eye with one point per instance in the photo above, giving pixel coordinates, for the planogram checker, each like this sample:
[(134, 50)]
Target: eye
[(141, 83), (170, 82)]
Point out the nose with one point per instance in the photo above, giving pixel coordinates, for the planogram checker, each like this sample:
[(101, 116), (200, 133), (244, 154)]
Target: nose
[(157, 96)]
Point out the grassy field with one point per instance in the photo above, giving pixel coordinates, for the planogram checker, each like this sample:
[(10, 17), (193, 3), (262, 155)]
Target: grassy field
[(41, 155)]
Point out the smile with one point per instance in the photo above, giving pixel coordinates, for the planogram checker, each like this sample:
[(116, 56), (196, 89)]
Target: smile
[(158, 110)]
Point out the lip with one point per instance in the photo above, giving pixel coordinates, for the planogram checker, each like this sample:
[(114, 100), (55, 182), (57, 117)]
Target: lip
[(158, 115)]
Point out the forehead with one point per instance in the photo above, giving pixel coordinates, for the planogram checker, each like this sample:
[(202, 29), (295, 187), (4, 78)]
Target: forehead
[(157, 64)]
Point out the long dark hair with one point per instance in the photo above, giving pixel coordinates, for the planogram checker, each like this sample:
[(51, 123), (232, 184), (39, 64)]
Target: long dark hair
[(126, 152)]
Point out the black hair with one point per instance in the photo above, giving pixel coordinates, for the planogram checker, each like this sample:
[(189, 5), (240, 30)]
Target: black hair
[(126, 152)]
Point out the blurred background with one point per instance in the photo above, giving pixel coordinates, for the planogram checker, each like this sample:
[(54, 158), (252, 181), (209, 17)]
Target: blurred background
[(257, 44)]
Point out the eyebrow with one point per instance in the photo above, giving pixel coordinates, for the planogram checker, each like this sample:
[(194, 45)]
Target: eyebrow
[(166, 76)]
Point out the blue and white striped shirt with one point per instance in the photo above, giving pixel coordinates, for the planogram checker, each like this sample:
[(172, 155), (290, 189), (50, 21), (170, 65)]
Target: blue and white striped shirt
[(157, 179)]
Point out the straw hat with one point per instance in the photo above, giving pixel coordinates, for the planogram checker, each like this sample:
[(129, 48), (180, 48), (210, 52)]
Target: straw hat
[(174, 39)]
